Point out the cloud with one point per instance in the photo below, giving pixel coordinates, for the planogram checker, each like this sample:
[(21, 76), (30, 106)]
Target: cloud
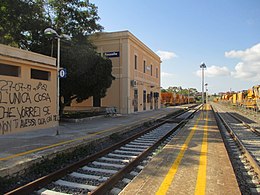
[(166, 74), (166, 55), (167, 79), (249, 66), (214, 71)]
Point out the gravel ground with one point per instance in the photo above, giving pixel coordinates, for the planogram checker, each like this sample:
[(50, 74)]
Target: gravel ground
[(50, 165), (47, 166), (94, 173), (249, 113), (67, 190), (238, 166)]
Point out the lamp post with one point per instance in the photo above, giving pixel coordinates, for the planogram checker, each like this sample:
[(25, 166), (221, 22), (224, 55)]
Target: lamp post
[(52, 33), (202, 66), (206, 85), (188, 95)]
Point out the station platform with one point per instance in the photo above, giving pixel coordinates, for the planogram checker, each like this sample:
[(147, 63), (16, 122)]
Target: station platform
[(195, 161), (18, 151)]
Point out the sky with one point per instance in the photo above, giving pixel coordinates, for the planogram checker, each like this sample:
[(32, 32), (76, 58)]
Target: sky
[(224, 34)]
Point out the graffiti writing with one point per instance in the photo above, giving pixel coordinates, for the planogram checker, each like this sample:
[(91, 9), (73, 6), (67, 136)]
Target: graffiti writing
[(8, 125), (24, 105), (24, 97), (39, 97), (6, 112), (18, 98), (5, 126), (10, 86), (40, 86)]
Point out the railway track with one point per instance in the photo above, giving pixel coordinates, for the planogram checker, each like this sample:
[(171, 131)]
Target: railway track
[(243, 141), (97, 173), (254, 127)]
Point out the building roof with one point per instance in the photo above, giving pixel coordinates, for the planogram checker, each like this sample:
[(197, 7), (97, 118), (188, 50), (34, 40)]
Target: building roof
[(101, 36)]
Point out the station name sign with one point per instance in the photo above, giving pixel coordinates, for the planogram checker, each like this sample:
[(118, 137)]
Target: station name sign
[(112, 54)]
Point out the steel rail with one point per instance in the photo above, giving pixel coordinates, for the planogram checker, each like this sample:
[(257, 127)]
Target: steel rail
[(245, 124), (43, 181), (104, 187), (250, 158)]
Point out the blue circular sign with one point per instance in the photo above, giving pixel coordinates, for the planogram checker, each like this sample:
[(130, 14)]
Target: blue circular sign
[(63, 73)]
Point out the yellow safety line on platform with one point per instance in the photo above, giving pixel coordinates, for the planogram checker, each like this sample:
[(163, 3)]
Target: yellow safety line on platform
[(66, 142), (171, 173), (201, 177), (53, 145)]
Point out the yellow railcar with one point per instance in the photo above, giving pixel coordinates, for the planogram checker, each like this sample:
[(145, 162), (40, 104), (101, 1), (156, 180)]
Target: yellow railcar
[(246, 98), (250, 101), (234, 99), (256, 90)]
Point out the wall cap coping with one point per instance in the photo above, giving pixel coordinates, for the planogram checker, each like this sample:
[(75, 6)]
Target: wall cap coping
[(18, 53)]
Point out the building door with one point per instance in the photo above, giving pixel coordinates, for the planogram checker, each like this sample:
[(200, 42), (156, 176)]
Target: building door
[(151, 100), (135, 101), (156, 97), (96, 101), (144, 100)]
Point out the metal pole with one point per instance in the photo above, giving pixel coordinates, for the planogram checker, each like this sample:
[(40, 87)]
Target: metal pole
[(54, 34), (206, 93), (202, 66), (58, 79), (188, 95), (202, 87)]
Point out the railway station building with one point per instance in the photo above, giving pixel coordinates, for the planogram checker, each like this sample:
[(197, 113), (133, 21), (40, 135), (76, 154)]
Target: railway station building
[(28, 90), (136, 69)]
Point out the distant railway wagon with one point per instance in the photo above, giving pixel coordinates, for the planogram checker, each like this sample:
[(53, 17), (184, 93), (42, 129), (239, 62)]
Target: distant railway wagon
[(172, 99), (227, 96), (216, 99), (256, 90), (246, 98), (191, 99), (167, 98), (234, 99), (240, 98)]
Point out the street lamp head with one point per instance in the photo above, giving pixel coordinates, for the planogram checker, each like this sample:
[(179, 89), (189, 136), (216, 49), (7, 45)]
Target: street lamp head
[(50, 32), (202, 65)]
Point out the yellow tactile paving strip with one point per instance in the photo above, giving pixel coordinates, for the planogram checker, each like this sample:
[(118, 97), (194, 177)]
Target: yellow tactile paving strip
[(171, 173), (194, 162), (74, 140)]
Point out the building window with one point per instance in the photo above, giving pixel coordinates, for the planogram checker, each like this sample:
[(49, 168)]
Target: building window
[(156, 72), (151, 69), (135, 102), (144, 65), (148, 98), (135, 62), (144, 100), (40, 74), (9, 70)]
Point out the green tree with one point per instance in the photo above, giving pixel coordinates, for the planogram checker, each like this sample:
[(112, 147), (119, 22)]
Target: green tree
[(89, 74), (163, 90), (180, 90), (22, 24), (72, 17)]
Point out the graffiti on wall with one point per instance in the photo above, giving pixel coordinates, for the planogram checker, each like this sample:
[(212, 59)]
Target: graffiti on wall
[(24, 105)]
